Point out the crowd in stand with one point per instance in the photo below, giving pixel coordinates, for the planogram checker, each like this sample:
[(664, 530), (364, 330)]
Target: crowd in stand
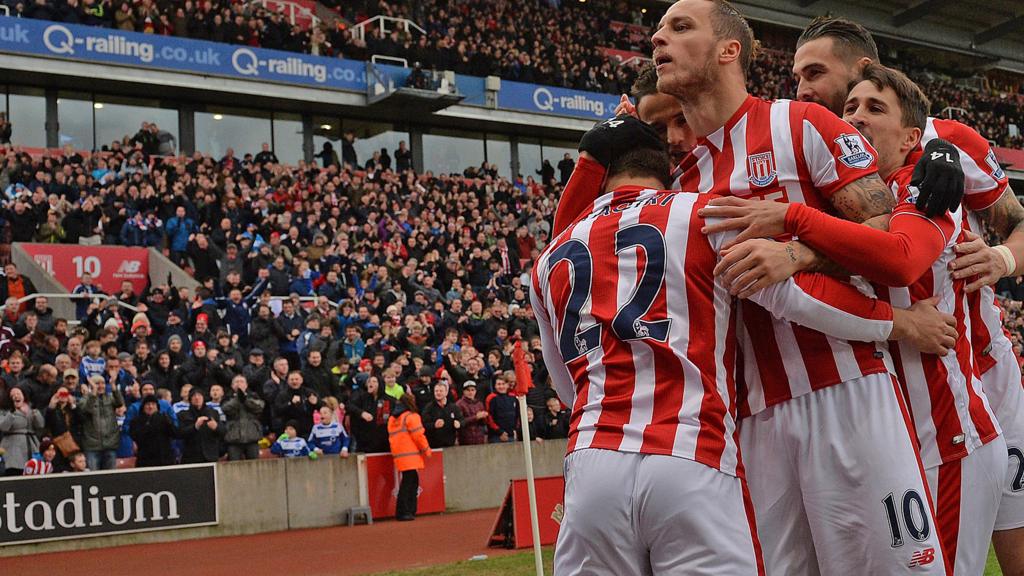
[(324, 296)]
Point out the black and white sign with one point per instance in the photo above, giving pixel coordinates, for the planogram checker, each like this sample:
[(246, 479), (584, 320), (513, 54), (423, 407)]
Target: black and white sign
[(59, 506)]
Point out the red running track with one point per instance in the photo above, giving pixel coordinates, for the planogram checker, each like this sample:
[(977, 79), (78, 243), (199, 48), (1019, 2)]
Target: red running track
[(338, 551)]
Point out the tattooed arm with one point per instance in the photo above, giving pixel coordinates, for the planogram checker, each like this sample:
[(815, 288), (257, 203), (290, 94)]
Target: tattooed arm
[(986, 265)]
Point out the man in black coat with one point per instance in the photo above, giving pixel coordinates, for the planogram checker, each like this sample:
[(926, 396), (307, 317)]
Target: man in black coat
[(296, 402), (152, 432), (441, 418), (200, 428)]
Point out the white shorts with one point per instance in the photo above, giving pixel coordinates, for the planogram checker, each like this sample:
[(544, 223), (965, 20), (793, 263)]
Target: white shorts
[(644, 514), (967, 493), (837, 484), (1002, 385)]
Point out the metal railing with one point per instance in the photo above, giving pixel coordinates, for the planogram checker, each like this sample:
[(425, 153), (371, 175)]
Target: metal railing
[(381, 23), (5, 10), (379, 58), (291, 10)]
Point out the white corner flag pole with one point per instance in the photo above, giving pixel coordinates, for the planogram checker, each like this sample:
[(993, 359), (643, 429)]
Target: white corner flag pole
[(531, 490)]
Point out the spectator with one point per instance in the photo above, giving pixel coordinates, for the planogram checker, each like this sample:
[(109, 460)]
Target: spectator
[(348, 150), (442, 418), (555, 421), (403, 157), (100, 434), (200, 429), (296, 403), (42, 462), (180, 230), (5, 129), (547, 173), (289, 444), (565, 168), (14, 285), (78, 462), (83, 305), (329, 436), (369, 410), (20, 427), (474, 427), (328, 156), (502, 411), (152, 431), (63, 421), (243, 410), (265, 155), (409, 447)]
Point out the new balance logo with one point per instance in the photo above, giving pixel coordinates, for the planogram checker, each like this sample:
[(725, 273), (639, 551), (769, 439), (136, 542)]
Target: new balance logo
[(922, 557), (129, 267)]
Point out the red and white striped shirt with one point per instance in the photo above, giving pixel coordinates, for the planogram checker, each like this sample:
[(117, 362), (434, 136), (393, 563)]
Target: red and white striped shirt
[(984, 182), (639, 337), (789, 152), (951, 412), (36, 467)]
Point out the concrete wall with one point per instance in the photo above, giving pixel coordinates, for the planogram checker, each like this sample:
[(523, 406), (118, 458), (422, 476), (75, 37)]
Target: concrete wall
[(160, 266), (477, 476), (44, 282), (282, 494)]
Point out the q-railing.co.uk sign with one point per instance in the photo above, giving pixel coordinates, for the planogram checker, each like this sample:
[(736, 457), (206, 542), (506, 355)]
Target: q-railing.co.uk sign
[(106, 46), (63, 506)]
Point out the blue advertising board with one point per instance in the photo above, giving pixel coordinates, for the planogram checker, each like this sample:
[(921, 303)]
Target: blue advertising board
[(107, 46)]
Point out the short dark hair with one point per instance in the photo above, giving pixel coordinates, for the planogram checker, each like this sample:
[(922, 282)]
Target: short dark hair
[(850, 40), (646, 83), (913, 103), (643, 163), (728, 23)]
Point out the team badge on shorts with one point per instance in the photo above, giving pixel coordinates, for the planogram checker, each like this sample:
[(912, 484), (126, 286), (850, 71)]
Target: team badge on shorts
[(855, 155), (761, 168)]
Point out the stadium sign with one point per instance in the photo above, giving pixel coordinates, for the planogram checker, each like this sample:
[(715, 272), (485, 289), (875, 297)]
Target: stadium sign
[(558, 101), (62, 506), (94, 45), (102, 45)]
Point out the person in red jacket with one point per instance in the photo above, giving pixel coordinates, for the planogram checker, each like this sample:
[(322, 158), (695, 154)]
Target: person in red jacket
[(409, 448)]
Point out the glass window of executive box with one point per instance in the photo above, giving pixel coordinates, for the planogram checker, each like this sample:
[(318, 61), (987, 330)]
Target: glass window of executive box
[(244, 131)]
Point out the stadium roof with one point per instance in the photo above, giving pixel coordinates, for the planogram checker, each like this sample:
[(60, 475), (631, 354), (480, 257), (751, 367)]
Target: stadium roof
[(990, 30)]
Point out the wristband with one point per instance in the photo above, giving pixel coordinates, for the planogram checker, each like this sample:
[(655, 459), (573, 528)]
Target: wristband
[(1008, 259)]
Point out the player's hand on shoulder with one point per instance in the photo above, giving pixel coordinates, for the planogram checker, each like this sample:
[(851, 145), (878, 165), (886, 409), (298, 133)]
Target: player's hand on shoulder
[(939, 177), (753, 218), (924, 326), (613, 137)]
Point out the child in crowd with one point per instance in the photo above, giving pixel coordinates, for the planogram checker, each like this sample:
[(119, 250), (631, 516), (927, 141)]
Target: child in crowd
[(329, 436), (289, 444), (502, 411), (42, 461), (93, 364)]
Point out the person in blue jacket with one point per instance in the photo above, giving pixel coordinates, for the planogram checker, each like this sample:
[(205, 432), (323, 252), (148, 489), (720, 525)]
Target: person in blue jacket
[(179, 229)]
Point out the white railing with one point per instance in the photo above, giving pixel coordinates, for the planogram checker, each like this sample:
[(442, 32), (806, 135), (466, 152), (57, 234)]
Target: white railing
[(947, 112), (291, 10), (381, 23), (378, 58), (6, 11)]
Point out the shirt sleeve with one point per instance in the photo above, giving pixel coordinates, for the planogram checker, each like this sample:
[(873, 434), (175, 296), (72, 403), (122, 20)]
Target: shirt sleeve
[(894, 258), (822, 303), (581, 190), (984, 179), (834, 152)]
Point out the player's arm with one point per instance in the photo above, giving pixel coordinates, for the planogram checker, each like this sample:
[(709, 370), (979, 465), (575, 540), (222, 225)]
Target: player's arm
[(988, 264), (559, 373), (894, 257), (583, 187), (827, 305)]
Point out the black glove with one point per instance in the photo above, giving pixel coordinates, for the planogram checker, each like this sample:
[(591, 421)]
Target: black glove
[(611, 138), (939, 179)]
